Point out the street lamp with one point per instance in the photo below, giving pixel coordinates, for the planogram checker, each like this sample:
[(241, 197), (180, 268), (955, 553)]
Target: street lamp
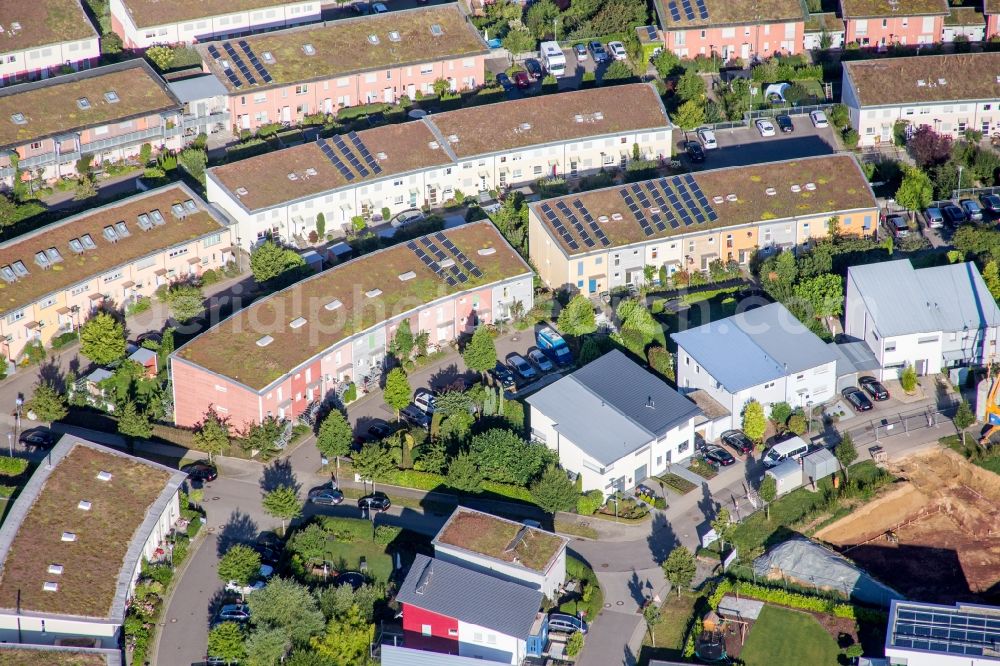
[(10, 443)]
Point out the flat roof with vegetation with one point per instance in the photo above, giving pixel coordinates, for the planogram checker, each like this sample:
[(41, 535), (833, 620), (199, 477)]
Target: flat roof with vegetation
[(76, 268), (853, 9), (338, 303), (42, 22), (924, 79), (729, 12), (146, 13), (57, 655), (38, 110), (965, 16), (109, 533), (811, 186), (359, 44), (497, 538)]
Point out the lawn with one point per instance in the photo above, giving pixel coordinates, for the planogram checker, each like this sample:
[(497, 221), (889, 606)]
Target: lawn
[(703, 307), (675, 616), (703, 468), (677, 483), (347, 557), (783, 636)]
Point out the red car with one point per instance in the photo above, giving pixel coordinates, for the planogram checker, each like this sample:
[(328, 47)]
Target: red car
[(521, 80)]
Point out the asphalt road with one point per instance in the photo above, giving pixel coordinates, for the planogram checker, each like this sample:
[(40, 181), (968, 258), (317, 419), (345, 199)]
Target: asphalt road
[(744, 145)]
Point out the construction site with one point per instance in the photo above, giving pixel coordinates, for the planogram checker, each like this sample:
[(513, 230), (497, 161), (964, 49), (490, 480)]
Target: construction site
[(934, 536)]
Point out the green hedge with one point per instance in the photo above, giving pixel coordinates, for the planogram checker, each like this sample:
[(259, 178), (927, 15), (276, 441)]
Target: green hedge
[(777, 595), (411, 478), (64, 339), (587, 504), (12, 466)]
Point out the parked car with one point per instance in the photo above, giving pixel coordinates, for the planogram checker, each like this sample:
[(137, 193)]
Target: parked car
[(953, 215), (424, 399), (617, 50), (600, 55), (415, 416), (266, 571), (518, 364), (201, 470), (818, 119), (874, 388), (37, 439), (718, 455), (502, 374), (541, 360), (567, 624), (972, 210), (933, 217), (380, 8), (859, 401), (778, 438), (521, 80), (990, 202), (738, 441), (765, 127), (379, 430), (407, 217), (785, 123), (534, 68), (580, 51), (897, 226), (376, 501), (326, 495), (233, 613), (707, 138), (790, 449), (694, 151), (505, 81)]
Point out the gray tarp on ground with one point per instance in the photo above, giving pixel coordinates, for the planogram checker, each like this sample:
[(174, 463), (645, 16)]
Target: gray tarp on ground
[(810, 564)]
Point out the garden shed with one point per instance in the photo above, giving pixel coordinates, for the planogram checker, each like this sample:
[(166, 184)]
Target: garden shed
[(787, 476), (819, 465)]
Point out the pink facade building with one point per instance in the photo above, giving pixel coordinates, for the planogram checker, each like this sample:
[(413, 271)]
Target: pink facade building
[(42, 38), (287, 75), (731, 30), (992, 10), (279, 355), (886, 22)]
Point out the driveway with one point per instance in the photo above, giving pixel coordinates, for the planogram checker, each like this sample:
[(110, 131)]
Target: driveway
[(744, 146)]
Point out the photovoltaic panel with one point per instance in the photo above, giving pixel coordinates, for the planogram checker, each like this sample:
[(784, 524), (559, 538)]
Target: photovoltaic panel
[(254, 61), (689, 201), (238, 61), (702, 200), (332, 156), (433, 249), (958, 631), (643, 199), (365, 153), (702, 9), (589, 219), (214, 52), (686, 4), (675, 13)]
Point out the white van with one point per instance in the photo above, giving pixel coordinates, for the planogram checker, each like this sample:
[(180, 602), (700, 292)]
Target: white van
[(553, 58), (790, 449)]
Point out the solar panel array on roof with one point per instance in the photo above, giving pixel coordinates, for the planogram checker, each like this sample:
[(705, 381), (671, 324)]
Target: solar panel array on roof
[(686, 4), (636, 211), (240, 65), (352, 159), (675, 13), (560, 228), (589, 219), (424, 257), (356, 140), (957, 631), (450, 274), (332, 156), (676, 201), (252, 57), (572, 219), (702, 9), (459, 255)]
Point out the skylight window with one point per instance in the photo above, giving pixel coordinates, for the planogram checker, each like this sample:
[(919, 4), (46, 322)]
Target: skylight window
[(268, 57), (334, 304), (111, 97), (265, 341), (372, 293), (436, 30), (309, 49), (373, 39), (83, 103), (19, 119), (298, 322), (394, 36)]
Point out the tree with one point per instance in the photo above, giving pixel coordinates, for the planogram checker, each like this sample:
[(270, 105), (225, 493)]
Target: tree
[(589, 351), (226, 642), (916, 191), (194, 161), (480, 354), (651, 613), (518, 40), (690, 115), (554, 492), (267, 646), (991, 276), (928, 148), (397, 393), (617, 71), (963, 418), (402, 342), (320, 225), (577, 318), (679, 568), (111, 44), (212, 434), (287, 605), (780, 413), (768, 491), (823, 295), (334, 437), (691, 86), (618, 16), (185, 300), (133, 424), (145, 153), (666, 63), (661, 360), (240, 564), (373, 461), (347, 638), (47, 403), (723, 526), (574, 644), (503, 456), (431, 457), (540, 17), (161, 56), (797, 424), (846, 453), (908, 379), (261, 439), (282, 503), (269, 261), (102, 339), (463, 474), (754, 423)]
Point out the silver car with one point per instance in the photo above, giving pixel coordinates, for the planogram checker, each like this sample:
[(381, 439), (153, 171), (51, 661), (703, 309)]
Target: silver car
[(519, 365), (539, 358)]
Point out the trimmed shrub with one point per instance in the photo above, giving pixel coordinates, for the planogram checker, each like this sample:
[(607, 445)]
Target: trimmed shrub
[(12, 466), (588, 503)]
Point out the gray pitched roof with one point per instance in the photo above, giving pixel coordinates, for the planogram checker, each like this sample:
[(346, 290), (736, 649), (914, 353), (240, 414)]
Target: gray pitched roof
[(754, 347), (612, 406), (903, 300), (196, 88), (473, 597), (401, 656)]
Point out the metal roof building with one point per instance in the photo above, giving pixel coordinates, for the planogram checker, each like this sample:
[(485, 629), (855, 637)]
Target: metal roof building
[(922, 634), (400, 656)]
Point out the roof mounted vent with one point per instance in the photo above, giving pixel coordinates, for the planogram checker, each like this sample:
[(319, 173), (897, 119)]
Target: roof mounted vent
[(598, 115), (293, 176), (56, 569), (309, 49), (20, 119), (103, 476), (408, 275), (731, 198), (796, 188), (373, 39), (265, 341), (718, 199), (602, 218), (311, 171), (942, 82), (452, 138), (298, 322), (50, 586), (921, 83), (578, 118), (68, 536), (372, 293), (381, 156), (333, 305), (242, 191), (267, 57), (524, 127), (770, 191), (111, 97), (810, 186), (83, 103), (83, 505), (433, 145), (486, 251), (394, 36), (617, 217)]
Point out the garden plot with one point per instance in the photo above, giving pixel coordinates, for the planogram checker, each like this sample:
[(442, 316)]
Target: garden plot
[(935, 536)]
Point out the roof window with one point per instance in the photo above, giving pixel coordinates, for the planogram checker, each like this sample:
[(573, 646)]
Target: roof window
[(56, 569), (50, 586), (333, 305), (111, 97), (486, 251), (83, 505), (373, 39), (436, 29), (408, 275), (103, 476), (242, 191), (394, 36), (298, 322), (372, 293), (83, 103), (68, 536), (309, 49), (19, 119), (268, 57), (265, 341)]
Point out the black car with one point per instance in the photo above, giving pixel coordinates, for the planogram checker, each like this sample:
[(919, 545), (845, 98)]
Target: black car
[(415, 416), (534, 68), (503, 375), (505, 81), (379, 430), (785, 123), (37, 439), (718, 455), (953, 215), (738, 441), (874, 388), (327, 495), (377, 501), (201, 470), (859, 401), (991, 202), (694, 151)]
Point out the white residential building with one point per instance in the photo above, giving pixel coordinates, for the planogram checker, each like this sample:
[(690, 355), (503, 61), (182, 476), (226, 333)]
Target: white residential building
[(764, 354), (613, 423), (930, 318)]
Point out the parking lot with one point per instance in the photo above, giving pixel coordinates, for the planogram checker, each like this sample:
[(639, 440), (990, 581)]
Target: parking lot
[(571, 80), (743, 146)]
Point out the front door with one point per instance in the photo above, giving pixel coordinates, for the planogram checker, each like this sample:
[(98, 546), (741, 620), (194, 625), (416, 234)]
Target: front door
[(591, 286), (389, 95), (640, 474), (745, 51), (921, 367)]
